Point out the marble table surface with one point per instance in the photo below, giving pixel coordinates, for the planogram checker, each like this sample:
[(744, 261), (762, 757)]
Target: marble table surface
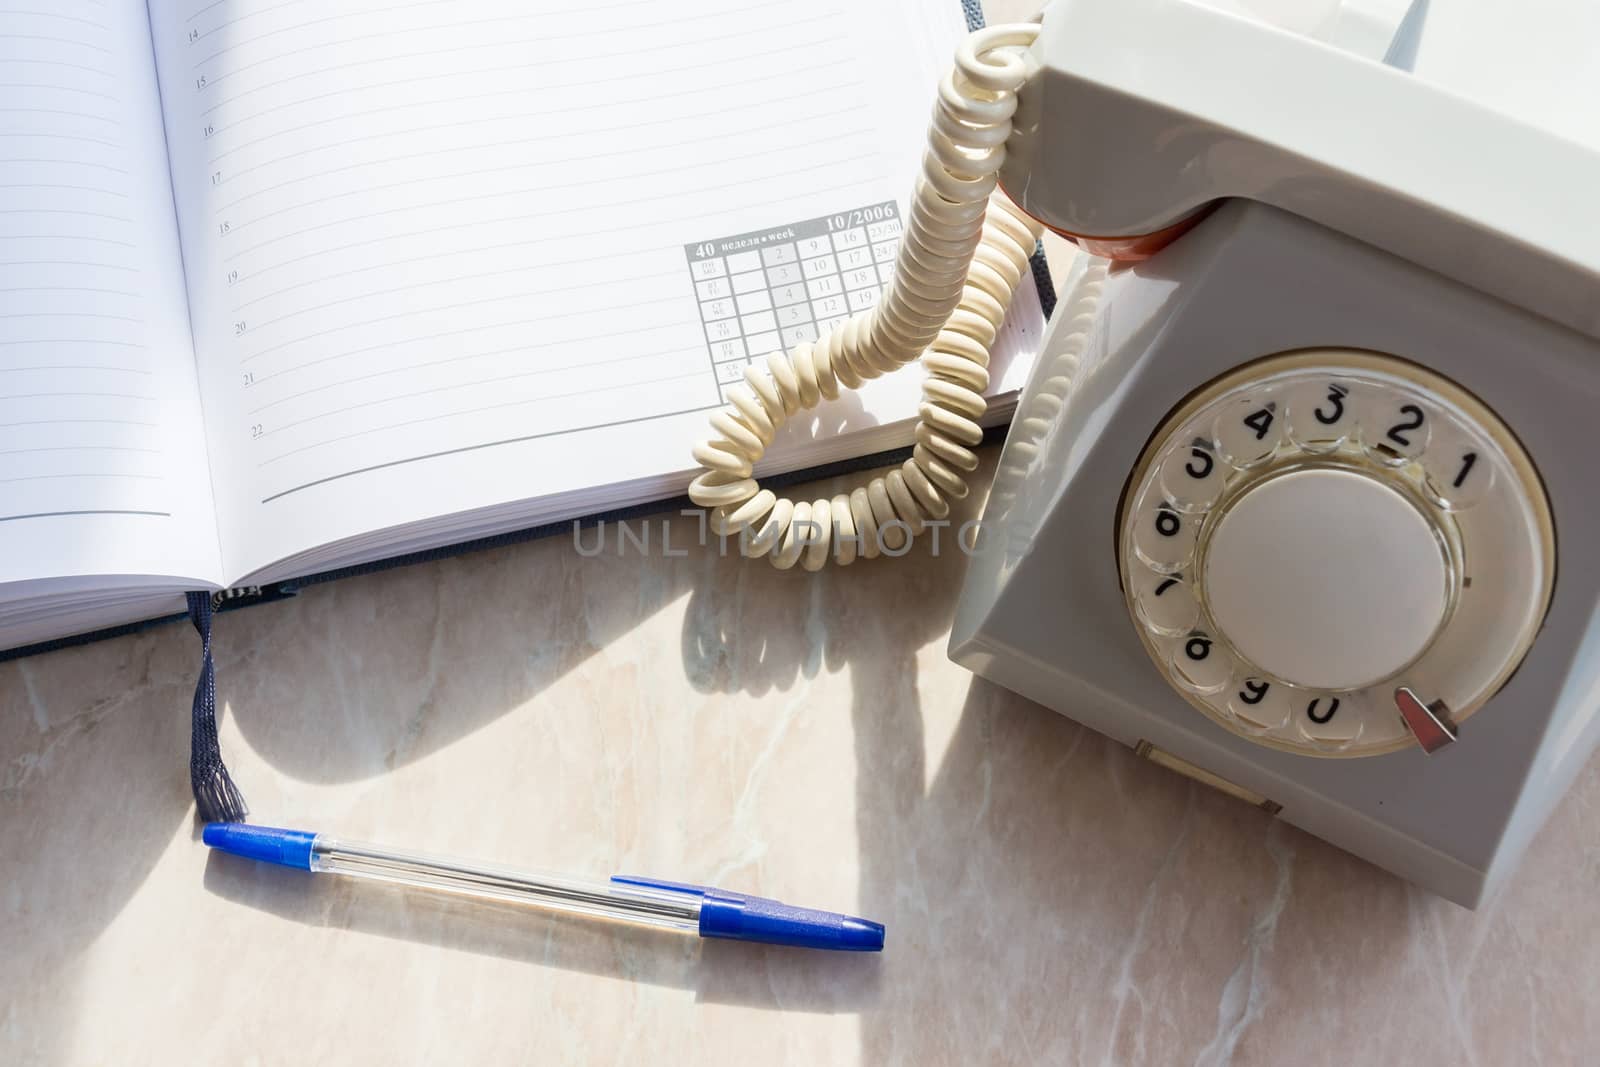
[(1050, 898)]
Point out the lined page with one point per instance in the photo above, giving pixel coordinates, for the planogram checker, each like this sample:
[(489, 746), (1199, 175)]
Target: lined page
[(436, 249), (102, 455)]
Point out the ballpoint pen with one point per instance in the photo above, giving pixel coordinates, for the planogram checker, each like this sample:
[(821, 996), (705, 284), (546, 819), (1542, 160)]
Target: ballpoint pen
[(626, 898)]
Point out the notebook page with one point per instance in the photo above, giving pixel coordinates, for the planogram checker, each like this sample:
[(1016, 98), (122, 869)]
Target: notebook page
[(437, 250), (102, 456)]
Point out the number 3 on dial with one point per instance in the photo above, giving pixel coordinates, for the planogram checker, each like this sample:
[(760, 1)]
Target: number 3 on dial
[(1322, 413), (1333, 411)]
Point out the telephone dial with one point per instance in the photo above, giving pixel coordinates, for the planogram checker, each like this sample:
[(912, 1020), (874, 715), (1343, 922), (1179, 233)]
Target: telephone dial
[(1298, 499), (1336, 553)]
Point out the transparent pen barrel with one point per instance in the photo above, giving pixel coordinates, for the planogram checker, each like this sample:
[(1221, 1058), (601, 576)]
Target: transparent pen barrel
[(646, 907)]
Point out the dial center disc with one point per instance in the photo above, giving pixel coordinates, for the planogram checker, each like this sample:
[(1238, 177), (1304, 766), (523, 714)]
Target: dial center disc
[(1326, 578)]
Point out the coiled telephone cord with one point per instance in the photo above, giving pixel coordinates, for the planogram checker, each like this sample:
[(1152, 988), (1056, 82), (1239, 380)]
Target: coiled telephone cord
[(965, 249)]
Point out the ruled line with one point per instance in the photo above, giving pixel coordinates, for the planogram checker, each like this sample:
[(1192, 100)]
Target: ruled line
[(52, 15), (75, 366), (698, 190), (426, 311), (390, 264), (628, 102), (63, 211), (388, 11), (538, 39), (54, 40), (79, 138), (109, 477), (256, 272), (500, 273), (63, 237), (86, 511), (721, 135), (269, 9), (68, 263), (72, 341), (75, 422), (519, 66), (447, 333), (63, 395), (480, 172), (60, 63), (8, 315), (453, 386), (695, 374), (208, 7), (68, 162), (412, 131), (80, 448), (474, 448), (611, 55), (70, 188), (56, 88), (55, 111), (454, 360), (66, 289)]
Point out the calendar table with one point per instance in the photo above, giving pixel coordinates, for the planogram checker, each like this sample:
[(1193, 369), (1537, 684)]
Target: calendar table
[(770, 289)]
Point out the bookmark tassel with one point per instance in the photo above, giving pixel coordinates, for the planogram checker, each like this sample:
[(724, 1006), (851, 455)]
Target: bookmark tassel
[(215, 796)]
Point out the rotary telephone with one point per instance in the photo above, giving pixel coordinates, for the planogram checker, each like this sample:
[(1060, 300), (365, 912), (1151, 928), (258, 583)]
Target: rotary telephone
[(1297, 501)]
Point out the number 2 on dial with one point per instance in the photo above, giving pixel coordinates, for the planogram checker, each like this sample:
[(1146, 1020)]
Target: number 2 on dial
[(1397, 432)]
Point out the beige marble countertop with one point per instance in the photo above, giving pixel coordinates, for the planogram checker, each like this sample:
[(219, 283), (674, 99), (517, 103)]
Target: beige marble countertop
[(1049, 897)]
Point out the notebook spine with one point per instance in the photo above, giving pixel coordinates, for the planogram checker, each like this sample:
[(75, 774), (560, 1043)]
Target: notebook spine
[(245, 596)]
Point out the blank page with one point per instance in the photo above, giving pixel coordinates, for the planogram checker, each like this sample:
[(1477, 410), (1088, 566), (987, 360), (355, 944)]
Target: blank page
[(442, 256), (102, 451)]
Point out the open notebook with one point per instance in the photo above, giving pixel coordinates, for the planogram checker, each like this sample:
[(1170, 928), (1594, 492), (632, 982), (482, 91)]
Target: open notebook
[(288, 286)]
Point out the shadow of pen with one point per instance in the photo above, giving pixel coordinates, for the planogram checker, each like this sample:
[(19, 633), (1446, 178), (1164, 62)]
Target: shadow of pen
[(718, 972)]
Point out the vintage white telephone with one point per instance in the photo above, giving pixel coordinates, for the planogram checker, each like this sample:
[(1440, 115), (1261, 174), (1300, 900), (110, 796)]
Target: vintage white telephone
[(1296, 496)]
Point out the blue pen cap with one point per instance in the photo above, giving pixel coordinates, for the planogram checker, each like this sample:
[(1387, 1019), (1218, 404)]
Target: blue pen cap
[(736, 917), (289, 848), (776, 923)]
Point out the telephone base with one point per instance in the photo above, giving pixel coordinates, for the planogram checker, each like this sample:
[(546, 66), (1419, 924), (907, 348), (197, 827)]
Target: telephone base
[(1043, 611)]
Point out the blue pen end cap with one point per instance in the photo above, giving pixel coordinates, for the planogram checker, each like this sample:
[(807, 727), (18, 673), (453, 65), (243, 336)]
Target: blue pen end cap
[(772, 922), (862, 935), (287, 848), (736, 917)]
